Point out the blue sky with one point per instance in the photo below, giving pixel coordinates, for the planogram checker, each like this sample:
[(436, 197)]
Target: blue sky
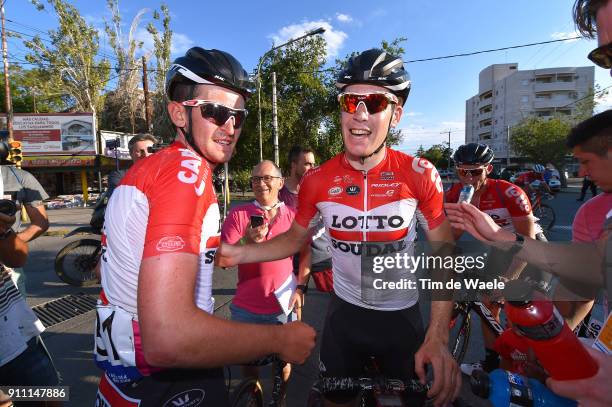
[(433, 28)]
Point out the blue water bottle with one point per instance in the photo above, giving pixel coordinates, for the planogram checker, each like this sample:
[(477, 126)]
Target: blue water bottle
[(503, 389)]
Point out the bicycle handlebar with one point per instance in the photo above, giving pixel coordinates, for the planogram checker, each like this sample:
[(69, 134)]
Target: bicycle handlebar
[(328, 384)]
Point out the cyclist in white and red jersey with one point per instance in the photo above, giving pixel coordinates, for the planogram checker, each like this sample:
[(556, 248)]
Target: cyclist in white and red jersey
[(156, 337), (509, 207), (371, 194)]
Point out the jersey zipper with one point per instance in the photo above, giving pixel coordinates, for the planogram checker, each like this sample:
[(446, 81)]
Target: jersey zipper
[(364, 225)]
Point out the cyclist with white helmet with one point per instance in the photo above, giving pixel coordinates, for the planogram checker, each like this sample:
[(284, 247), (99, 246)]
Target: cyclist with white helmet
[(533, 181), (371, 195), (156, 338)]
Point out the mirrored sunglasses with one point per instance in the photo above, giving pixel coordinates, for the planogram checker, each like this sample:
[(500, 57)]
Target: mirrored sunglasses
[(374, 102), (217, 113), (468, 173)]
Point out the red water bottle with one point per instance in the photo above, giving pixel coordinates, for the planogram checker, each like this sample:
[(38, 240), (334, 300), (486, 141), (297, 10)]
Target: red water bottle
[(557, 348)]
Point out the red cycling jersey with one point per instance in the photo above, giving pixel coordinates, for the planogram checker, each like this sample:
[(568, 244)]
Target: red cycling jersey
[(528, 177), (501, 200), (380, 205), (164, 204)]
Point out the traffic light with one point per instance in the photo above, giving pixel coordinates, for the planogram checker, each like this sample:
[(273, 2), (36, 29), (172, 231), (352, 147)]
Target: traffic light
[(15, 152)]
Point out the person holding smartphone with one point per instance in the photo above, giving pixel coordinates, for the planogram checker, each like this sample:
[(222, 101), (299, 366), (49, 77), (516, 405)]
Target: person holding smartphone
[(255, 222)]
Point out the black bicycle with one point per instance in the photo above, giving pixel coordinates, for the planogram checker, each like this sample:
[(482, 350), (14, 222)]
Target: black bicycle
[(249, 392)]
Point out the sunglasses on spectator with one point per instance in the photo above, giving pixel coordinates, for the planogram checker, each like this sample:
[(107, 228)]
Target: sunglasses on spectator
[(217, 113), (602, 56), (266, 178), (374, 102), (468, 173)]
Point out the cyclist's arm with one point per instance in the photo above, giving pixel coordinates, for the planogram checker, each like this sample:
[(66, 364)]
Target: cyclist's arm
[(440, 310), (525, 226), (176, 333), (280, 247), (13, 251)]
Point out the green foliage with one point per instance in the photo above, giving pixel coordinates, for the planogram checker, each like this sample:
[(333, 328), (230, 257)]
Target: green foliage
[(437, 154), (124, 107), (71, 60), (541, 140), (162, 42), (31, 92), (242, 179)]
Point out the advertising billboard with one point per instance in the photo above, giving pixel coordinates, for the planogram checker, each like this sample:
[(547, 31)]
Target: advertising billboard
[(55, 133)]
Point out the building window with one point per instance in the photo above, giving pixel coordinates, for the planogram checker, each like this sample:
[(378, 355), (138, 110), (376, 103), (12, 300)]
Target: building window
[(525, 82), (524, 99)]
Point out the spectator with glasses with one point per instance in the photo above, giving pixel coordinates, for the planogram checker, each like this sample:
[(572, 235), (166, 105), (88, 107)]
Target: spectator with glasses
[(159, 246), (255, 300), (369, 195), (509, 207)]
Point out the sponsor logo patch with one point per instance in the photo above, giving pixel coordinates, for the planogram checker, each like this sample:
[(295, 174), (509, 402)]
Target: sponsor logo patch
[(189, 398), (386, 185), (335, 191), (387, 176), (170, 244), (353, 190)]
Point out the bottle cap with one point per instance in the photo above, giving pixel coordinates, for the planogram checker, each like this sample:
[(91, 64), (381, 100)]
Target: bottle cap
[(479, 382), (518, 293)]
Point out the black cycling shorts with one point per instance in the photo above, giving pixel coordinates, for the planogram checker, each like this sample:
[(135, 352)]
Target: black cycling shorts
[(352, 335), (173, 387)]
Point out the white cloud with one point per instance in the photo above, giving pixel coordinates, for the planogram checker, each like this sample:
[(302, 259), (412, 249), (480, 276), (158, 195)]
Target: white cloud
[(415, 135), (344, 18), (564, 35), (413, 114), (334, 38)]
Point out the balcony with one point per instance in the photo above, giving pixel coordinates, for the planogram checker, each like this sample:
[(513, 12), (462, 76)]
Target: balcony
[(554, 86), (552, 103), (484, 129), (485, 115), (484, 103)]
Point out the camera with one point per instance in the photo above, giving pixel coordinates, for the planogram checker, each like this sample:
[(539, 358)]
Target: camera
[(8, 207)]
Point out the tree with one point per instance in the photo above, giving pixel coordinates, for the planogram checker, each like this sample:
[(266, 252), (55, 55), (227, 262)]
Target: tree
[(542, 140), (124, 107), (162, 42), (32, 92), (71, 58), (242, 179), (437, 154)]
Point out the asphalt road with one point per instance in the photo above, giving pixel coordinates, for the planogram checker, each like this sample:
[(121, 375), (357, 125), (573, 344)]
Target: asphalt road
[(71, 342)]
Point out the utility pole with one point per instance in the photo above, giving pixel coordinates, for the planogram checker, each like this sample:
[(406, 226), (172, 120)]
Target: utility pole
[(449, 147), (7, 90), (145, 88), (508, 146), (274, 118)]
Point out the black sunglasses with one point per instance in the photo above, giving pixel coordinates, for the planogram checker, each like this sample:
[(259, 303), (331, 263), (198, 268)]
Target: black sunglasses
[(468, 173), (602, 56), (217, 113)]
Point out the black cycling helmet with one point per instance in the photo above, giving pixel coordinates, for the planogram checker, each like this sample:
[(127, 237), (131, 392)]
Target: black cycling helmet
[(376, 67), (474, 154), (206, 66), (209, 66)]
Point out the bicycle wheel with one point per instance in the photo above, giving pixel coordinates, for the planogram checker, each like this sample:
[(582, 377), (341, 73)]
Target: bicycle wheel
[(248, 394), (460, 342), (547, 216), (75, 264)]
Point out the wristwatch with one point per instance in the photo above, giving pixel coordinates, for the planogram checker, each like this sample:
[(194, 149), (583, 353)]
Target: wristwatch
[(518, 244), (302, 287)]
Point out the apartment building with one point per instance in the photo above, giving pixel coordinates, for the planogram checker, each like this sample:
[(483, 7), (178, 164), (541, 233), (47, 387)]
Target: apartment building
[(507, 95)]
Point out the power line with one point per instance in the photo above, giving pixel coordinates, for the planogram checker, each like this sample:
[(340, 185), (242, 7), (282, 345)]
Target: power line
[(465, 54)]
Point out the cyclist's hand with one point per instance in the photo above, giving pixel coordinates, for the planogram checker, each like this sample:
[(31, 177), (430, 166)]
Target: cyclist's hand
[(447, 376), (590, 392), (228, 255), (467, 217), (296, 342), (297, 300)]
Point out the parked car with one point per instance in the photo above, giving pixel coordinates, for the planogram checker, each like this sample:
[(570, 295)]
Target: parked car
[(445, 173)]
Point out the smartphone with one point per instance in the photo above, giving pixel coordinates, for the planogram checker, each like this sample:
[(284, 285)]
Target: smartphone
[(8, 207), (257, 220)]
